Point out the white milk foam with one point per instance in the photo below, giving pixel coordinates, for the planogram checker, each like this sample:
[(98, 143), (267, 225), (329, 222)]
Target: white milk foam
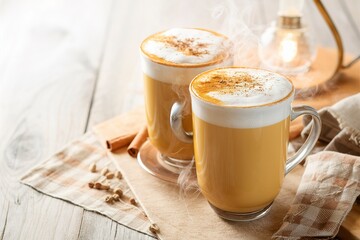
[(184, 73), (185, 46), (246, 107)]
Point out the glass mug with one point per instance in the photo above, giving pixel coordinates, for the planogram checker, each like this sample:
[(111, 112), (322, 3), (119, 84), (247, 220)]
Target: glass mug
[(241, 120), (169, 61)]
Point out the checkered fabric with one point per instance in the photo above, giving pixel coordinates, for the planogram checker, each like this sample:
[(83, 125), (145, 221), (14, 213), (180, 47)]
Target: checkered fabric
[(340, 128), (66, 176), (328, 190)]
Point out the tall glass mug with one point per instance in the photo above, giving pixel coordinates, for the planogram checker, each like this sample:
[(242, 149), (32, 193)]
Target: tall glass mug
[(170, 60), (241, 121)]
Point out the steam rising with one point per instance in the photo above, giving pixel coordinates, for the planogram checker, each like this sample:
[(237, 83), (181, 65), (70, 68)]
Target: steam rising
[(244, 43), (235, 24), (187, 181)]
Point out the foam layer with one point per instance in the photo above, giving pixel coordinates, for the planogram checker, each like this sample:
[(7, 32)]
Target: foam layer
[(184, 46), (241, 87), (182, 72), (245, 109)]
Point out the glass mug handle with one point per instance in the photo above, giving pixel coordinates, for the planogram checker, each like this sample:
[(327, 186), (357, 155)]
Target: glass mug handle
[(177, 128), (176, 123), (310, 141)]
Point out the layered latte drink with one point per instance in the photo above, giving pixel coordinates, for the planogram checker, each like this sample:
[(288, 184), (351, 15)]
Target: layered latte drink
[(241, 120), (170, 60)]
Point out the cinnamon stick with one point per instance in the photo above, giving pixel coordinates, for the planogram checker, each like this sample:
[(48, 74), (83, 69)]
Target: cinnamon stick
[(135, 145), (119, 142)]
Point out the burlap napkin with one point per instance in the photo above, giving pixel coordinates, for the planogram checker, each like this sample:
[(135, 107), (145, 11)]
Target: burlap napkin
[(331, 182), (340, 126), (66, 176), (327, 192)]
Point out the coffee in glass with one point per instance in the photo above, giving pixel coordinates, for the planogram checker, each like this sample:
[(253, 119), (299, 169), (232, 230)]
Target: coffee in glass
[(170, 60), (241, 119)]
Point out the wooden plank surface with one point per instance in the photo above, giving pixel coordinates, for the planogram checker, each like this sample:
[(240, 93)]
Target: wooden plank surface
[(49, 57), (67, 65)]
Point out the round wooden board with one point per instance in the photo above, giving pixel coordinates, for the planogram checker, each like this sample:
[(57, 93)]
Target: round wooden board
[(320, 92), (317, 83)]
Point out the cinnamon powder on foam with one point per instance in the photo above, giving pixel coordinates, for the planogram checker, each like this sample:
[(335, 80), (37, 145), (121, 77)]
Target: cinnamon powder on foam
[(225, 84), (185, 46)]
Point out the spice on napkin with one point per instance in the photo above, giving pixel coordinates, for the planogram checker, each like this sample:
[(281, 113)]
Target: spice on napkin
[(327, 192), (70, 174)]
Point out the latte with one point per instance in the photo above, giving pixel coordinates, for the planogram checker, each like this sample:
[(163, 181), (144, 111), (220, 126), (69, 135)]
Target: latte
[(170, 60), (241, 118)]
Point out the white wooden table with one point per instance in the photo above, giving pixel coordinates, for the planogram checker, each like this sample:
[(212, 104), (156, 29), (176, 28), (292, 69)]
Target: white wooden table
[(66, 65)]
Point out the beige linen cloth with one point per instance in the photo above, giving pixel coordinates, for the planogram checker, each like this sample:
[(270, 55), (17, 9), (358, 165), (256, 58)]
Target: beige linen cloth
[(340, 128)]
